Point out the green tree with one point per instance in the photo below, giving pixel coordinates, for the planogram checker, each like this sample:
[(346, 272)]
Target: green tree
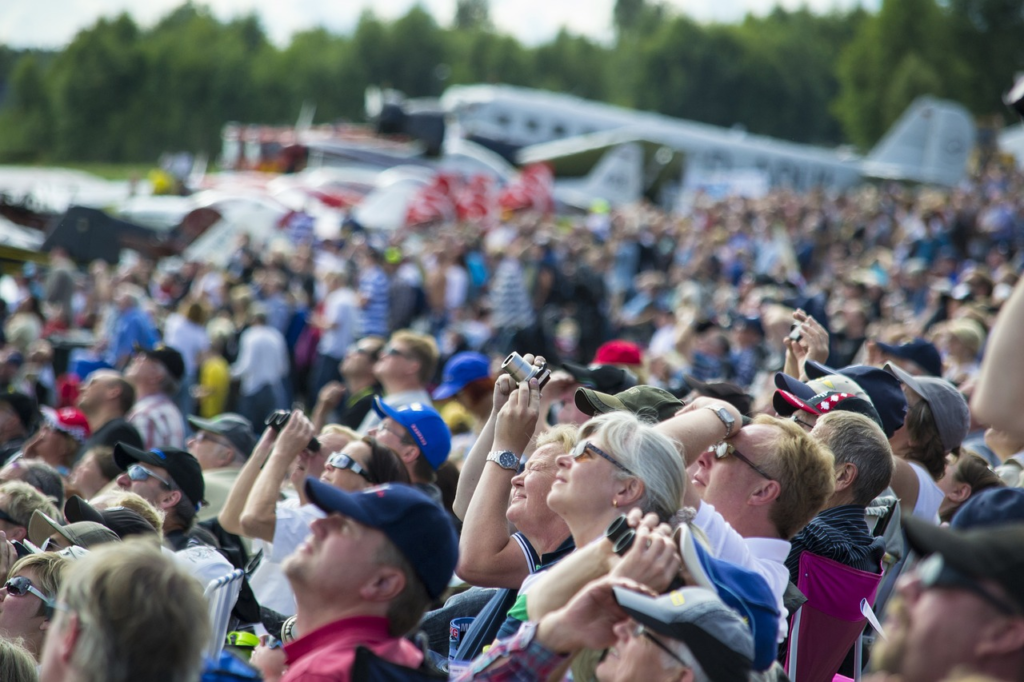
[(26, 123), (988, 34)]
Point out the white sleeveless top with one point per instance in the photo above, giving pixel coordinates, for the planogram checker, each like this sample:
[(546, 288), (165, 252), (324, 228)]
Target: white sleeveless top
[(929, 494)]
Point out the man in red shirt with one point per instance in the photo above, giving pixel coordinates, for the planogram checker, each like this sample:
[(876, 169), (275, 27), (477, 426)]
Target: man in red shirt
[(365, 577)]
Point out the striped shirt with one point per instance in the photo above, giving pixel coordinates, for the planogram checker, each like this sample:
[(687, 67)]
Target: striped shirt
[(840, 534), (375, 288), (158, 421)]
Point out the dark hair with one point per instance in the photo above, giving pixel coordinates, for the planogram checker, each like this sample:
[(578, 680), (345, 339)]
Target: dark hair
[(925, 442), (478, 389), (104, 456), (972, 469), (384, 465), (45, 479)]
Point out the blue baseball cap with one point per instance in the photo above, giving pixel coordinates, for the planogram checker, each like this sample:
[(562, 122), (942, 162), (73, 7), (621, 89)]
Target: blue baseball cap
[(745, 592), (881, 387), (415, 524), (922, 353), (425, 427), (461, 369), (993, 507)]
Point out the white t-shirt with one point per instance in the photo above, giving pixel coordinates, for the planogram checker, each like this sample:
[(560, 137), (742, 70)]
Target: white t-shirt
[(188, 338), (268, 582), (929, 495), (341, 311)]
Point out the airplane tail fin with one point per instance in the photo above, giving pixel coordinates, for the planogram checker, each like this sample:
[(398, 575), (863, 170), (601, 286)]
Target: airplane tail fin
[(929, 143), (617, 178)]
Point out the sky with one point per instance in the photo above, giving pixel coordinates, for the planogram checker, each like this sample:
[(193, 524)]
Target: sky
[(51, 24)]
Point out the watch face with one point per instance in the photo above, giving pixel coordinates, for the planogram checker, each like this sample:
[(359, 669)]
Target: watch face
[(508, 461)]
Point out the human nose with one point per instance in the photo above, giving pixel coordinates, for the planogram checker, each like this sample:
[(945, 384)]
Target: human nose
[(564, 461), (519, 479), (124, 481), (909, 587), (623, 630)]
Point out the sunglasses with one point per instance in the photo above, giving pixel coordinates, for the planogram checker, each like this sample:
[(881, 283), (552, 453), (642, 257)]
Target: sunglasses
[(806, 425), (723, 449), (391, 350), (21, 586), (934, 572), (209, 437), (641, 631), (372, 354), (137, 472), (585, 446), (400, 436), (342, 461)]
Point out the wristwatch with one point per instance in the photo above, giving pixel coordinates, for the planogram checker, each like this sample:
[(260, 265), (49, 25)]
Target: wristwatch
[(506, 459), (726, 418)]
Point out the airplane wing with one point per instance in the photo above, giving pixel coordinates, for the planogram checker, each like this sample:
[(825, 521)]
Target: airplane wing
[(618, 166)]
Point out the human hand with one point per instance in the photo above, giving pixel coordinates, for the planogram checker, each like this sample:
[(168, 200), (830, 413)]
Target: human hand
[(652, 560), (587, 621), (331, 393), (270, 662), (518, 418), (294, 437), (8, 555), (813, 343)]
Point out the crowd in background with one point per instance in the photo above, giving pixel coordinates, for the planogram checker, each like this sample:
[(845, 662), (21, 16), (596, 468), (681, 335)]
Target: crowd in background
[(747, 384)]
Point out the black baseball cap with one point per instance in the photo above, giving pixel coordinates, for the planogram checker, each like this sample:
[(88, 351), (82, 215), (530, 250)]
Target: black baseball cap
[(183, 468), (121, 520), (723, 390), (602, 378), (166, 356), (236, 428)]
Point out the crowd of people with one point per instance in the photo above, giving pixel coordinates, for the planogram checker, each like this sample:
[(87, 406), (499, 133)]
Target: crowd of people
[(705, 417)]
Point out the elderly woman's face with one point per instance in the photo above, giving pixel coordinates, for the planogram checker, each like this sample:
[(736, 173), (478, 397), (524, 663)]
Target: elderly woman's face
[(584, 487), (529, 497)]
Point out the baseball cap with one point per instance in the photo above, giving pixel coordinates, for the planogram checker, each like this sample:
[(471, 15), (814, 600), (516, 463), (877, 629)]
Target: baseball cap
[(425, 427), (785, 404), (922, 353), (121, 520), (24, 407), (236, 428), (948, 406), (183, 468), (83, 533), (643, 401), (695, 616), (751, 322), (744, 591), (618, 352), (461, 369), (995, 553), (723, 390), (419, 528), (992, 507), (886, 395), (166, 356), (604, 378), (69, 420)]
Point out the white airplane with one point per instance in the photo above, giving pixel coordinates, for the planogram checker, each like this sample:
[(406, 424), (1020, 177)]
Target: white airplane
[(618, 154)]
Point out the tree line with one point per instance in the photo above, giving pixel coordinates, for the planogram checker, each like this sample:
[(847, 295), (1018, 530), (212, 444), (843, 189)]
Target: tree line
[(119, 92)]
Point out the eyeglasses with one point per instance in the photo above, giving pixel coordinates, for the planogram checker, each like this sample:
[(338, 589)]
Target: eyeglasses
[(807, 426), (934, 572), (340, 460), (391, 350), (209, 437), (52, 545), (372, 354), (137, 472), (724, 449), (641, 631), (585, 445), (400, 436), (20, 586)]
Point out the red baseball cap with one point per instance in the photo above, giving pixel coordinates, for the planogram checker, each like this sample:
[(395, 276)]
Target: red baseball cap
[(618, 352), (69, 420)]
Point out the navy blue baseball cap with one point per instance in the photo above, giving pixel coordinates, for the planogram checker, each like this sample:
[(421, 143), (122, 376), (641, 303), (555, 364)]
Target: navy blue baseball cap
[(415, 524), (922, 353), (992, 507), (425, 426), (742, 590), (882, 388), (461, 369)]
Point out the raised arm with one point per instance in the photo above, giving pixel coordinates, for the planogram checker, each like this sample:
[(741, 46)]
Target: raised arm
[(488, 556), (999, 392), (230, 516), (259, 518)]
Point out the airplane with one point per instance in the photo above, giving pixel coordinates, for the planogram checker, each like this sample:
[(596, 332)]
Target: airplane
[(618, 154)]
